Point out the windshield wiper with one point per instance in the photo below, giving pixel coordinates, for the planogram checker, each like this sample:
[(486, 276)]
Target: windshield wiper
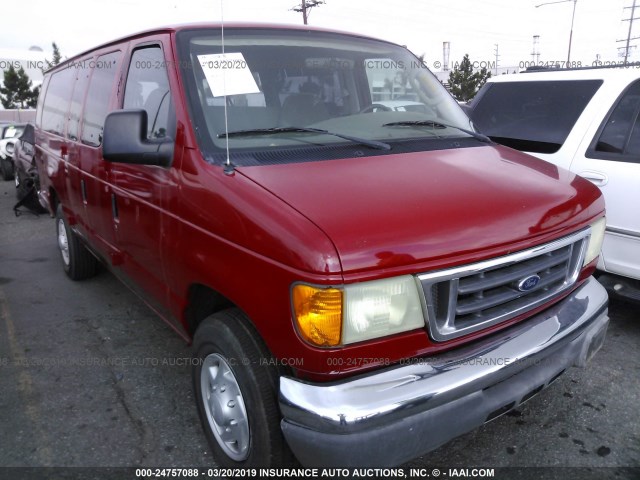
[(434, 124), (275, 130)]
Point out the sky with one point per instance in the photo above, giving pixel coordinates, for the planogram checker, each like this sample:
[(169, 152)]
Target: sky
[(472, 27)]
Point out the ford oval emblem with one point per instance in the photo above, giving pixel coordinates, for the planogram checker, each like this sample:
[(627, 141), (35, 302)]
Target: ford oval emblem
[(528, 283)]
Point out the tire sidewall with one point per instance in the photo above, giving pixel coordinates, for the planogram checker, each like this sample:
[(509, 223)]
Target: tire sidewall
[(82, 263), (216, 337), (60, 216)]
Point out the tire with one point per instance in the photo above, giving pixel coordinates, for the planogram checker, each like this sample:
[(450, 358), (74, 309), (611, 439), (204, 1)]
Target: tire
[(6, 169), (239, 411), (77, 261)]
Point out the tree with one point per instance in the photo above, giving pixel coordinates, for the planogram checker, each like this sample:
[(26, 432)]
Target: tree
[(464, 82), (57, 57), (17, 91)]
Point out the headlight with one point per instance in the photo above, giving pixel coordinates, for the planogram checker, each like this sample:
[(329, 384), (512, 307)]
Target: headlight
[(367, 310), (381, 307), (595, 240)]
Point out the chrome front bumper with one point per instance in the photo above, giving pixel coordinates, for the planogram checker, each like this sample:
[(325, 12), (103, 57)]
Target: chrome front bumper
[(388, 417)]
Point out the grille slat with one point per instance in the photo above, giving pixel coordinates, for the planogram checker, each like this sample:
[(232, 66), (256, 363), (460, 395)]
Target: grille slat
[(500, 295), (511, 274), (466, 299)]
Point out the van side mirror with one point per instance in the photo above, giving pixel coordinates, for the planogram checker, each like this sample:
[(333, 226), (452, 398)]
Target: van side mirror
[(124, 140)]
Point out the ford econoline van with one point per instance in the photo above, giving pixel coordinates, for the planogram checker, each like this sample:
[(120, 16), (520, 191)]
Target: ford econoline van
[(360, 284)]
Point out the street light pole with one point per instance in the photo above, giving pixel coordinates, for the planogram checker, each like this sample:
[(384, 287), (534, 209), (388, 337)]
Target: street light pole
[(573, 16), (626, 49)]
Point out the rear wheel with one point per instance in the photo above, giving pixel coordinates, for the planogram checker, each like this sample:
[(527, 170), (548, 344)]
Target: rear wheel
[(236, 393), (77, 261)]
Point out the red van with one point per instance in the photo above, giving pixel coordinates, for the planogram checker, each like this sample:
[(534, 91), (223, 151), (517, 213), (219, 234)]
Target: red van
[(360, 284)]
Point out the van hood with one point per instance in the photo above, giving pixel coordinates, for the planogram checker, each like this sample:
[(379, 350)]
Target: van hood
[(436, 208)]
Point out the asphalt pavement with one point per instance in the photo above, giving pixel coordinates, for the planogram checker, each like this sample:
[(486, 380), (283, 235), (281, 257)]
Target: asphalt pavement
[(90, 377)]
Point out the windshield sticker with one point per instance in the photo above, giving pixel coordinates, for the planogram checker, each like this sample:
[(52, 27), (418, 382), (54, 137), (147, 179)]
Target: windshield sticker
[(228, 74)]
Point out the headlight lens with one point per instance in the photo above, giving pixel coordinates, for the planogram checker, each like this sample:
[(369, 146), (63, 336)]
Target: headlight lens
[(595, 240), (380, 308), (330, 317)]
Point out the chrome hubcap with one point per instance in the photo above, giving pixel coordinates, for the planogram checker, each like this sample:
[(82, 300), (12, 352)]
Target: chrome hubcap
[(63, 243), (224, 406)]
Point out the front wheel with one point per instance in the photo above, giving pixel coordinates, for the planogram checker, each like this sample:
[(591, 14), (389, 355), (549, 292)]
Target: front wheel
[(77, 261), (236, 392)]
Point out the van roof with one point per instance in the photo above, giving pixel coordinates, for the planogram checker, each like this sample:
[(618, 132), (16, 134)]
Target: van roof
[(191, 26)]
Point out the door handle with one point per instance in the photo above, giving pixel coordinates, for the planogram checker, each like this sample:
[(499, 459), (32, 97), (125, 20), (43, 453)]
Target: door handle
[(597, 178), (114, 207)]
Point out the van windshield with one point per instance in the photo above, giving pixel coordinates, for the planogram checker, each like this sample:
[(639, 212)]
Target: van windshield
[(283, 88)]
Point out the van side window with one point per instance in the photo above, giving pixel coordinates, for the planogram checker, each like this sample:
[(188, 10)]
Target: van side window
[(79, 89), (97, 104), (56, 103), (40, 107), (148, 88)]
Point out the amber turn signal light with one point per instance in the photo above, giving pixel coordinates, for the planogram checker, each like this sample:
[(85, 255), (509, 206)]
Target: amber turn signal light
[(318, 313)]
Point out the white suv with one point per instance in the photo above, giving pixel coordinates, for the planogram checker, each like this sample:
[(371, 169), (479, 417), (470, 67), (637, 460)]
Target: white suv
[(585, 120)]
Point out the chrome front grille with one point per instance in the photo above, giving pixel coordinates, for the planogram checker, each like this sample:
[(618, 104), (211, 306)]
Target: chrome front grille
[(466, 299)]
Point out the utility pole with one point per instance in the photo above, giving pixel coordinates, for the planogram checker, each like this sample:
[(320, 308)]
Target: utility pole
[(573, 16), (305, 8), (535, 53), (495, 51), (629, 38)]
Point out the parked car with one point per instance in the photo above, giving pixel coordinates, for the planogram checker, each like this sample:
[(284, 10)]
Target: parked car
[(359, 287), (11, 129), (6, 154), (401, 106), (8, 134), (26, 172), (585, 120)]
